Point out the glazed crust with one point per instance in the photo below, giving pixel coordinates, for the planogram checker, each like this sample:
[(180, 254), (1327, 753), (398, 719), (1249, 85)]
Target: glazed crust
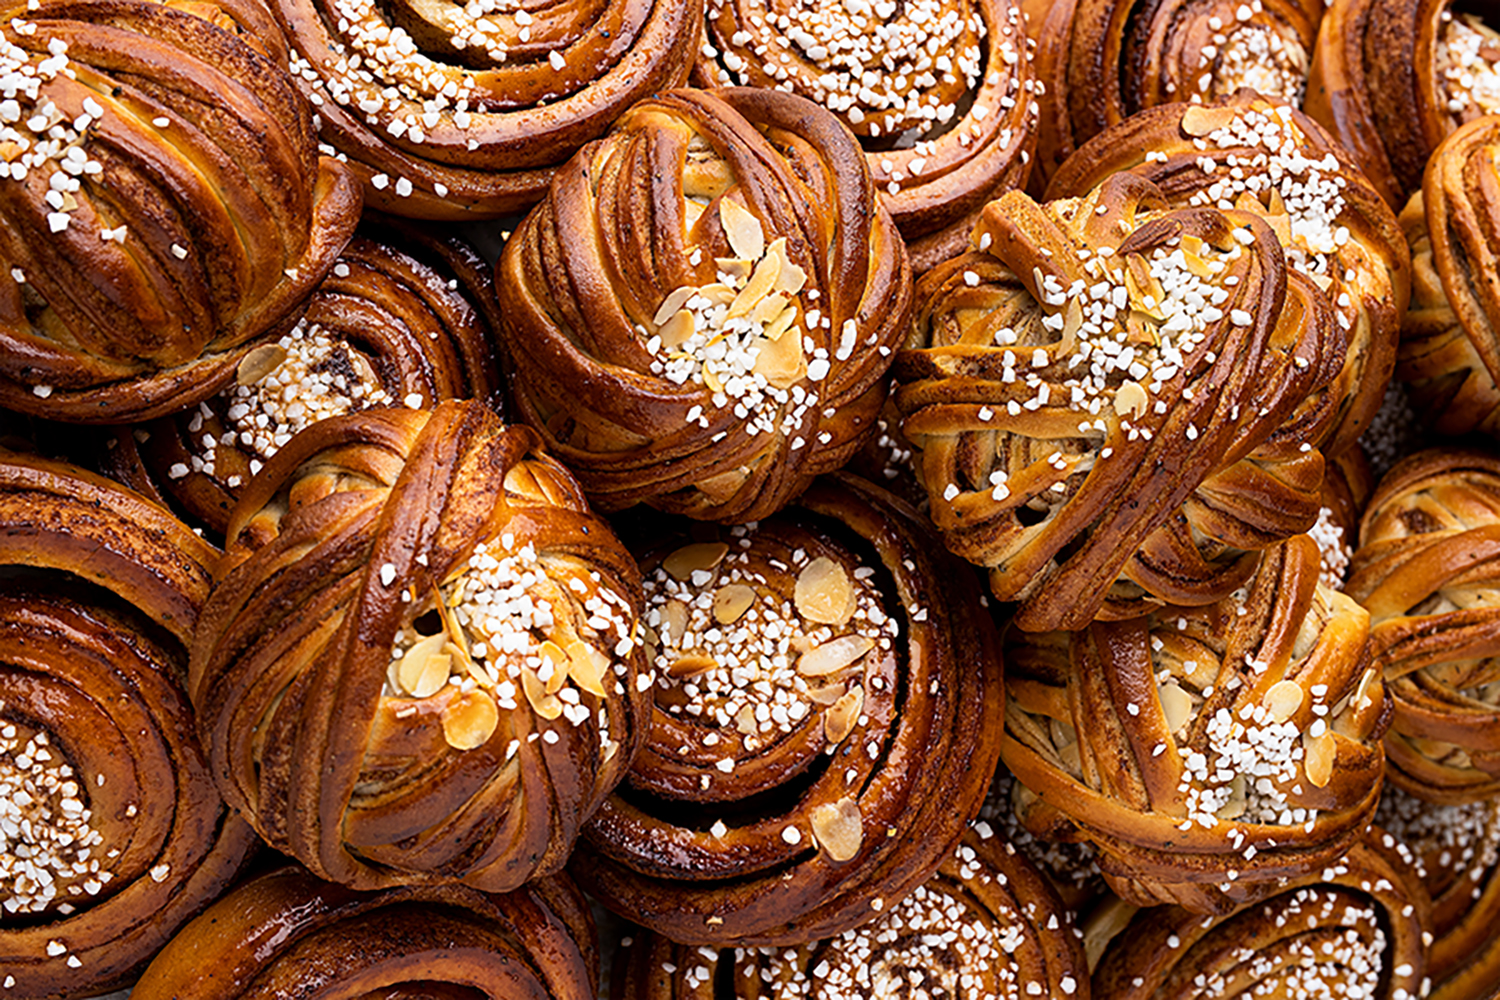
[(812, 828), (101, 591), (595, 282), (285, 932), (368, 774), (204, 154)]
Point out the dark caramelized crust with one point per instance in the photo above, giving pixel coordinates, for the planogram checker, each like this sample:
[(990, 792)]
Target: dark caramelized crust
[(382, 738), (651, 377)]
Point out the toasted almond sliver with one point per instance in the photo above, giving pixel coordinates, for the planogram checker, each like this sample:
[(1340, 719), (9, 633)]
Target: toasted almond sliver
[(731, 601), (588, 667), (1318, 757), (838, 828), (1072, 323), (781, 360), (673, 302), (838, 721), (757, 288), (739, 267), (1360, 692), (1176, 706), (259, 363), (1131, 399), (834, 655), (826, 695), (558, 658), (744, 720), (1283, 699), (743, 229), (793, 278), (769, 308), (674, 619), (781, 324), (470, 720), (691, 665), (689, 559), (413, 665), (548, 706), (823, 592), (1238, 801), (677, 329), (1199, 120), (717, 294)]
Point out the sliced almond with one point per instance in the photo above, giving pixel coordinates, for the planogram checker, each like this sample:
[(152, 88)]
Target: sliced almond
[(834, 655), (826, 695), (470, 720), (677, 329), (838, 828), (769, 308), (365, 371), (417, 678), (757, 288), (588, 667), (824, 593), (548, 706), (1176, 706), (1197, 265), (692, 211), (781, 324), (1200, 120), (744, 720), (558, 660), (464, 660), (692, 665), (717, 294), (1238, 799), (781, 360), (737, 267), (838, 721), (259, 363), (742, 229), (689, 559), (1072, 323), (1283, 699), (792, 278), (1318, 753), (721, 487), (731, 601), (1361, 693), (674, 619), (1131, 400), (673, 302), (1192, 244)]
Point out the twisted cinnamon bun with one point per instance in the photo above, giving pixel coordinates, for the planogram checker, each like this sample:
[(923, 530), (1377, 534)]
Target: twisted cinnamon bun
[(464, 110), (986, 924), (1425, 569), (940, 96), (1356, 929), (1268, 158), (1105, 395), (702, 312), (111, 832), (419, 663), (164, 207), (287, 933), (1209, 753), (827, 709), (405, 318)]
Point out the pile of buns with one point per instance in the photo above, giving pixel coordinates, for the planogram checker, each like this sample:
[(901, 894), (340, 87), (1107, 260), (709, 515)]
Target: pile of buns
[(933, 499)]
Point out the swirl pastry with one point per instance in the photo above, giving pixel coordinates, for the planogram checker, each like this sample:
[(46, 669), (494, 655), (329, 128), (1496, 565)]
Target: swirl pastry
[(1393, 78), (419, 664), (164, 207), (404, 319), (1356, 929), (827, 711), (1272, 160), (111, 832), (286, 933), (464, 110), (1207, 752), (940, 96), (1458, 854), (1426, 570), (702, 312), (986, 924), (1101, 61), (1151, 473), (1449, 351)]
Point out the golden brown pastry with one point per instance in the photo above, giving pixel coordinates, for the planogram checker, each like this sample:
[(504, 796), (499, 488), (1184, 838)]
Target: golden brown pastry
[(940, 96), (1268, 158), (111, 832), (287, 934), (1108, 399), (702, 313), (1458, 853), (1392, 78), (419, 663), (464, 111), (827, 714), (986, 924), (165, 207), (1209, 753), (1425, 569), (1356, 929), (1102, 61), (1449, 352), (405, 318)]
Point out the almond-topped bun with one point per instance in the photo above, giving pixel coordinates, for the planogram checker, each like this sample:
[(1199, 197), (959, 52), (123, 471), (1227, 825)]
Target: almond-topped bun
[(1209, 753), (112, 834), (165, 208), (827, 713), (986, 924), (1457, 849), (702, 313), (939, 93), (1357, 928), (405, 318), (1117, 404), (419, 663), (285, 933), (1267, 158), (1101, 61), (1429, 548), (464, 111)]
